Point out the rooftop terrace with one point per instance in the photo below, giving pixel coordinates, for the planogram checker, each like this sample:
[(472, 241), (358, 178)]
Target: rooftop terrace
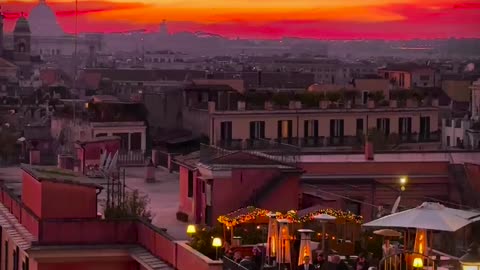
[(54, 174)]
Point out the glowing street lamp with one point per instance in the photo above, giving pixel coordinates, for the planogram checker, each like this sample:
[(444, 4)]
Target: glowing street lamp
[(403, 183), (471, 260), (191, 230), (216, 243)]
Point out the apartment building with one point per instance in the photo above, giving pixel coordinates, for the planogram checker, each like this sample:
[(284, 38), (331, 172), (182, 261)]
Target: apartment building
[(100, 117), (410, 75), (308, 125)]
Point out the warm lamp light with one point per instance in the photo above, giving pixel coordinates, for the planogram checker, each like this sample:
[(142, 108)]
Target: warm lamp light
[(86, 105), (191, 229), (217, 242), (418, 263), (471, 260), (403, 180)]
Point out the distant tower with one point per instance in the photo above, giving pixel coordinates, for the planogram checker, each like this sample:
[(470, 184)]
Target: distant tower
[(1, 33), (21, 40), (163, 30)]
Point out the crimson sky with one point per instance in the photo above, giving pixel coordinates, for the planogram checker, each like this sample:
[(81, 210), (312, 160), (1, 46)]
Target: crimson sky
[(323, 19)]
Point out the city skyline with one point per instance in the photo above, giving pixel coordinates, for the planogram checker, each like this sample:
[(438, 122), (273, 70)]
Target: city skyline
[(343, 19)]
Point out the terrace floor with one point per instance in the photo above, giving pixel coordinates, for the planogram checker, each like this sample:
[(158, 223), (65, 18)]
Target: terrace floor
[(163, 194)]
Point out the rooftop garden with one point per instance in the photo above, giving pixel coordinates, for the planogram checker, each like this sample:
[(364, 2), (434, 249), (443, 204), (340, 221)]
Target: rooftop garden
[(337, 99)]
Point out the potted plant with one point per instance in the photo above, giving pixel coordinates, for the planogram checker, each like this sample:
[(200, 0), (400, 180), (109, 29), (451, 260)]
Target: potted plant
[(333, 97), (323, 102)]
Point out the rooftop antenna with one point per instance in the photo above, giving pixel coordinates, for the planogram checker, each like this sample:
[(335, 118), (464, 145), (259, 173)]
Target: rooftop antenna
[(75, 65)]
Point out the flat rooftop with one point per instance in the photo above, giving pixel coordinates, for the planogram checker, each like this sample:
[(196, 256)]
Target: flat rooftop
[(54, 174), (453, 157)]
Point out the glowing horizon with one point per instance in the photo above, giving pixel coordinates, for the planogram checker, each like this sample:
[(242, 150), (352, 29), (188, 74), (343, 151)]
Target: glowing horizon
[(339, 19)]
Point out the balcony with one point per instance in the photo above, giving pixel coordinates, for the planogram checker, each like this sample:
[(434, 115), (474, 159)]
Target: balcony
[(313, 141), (429, 137), (257, 144), (289, 141), (342, 141), (232, 144), (408, 137)]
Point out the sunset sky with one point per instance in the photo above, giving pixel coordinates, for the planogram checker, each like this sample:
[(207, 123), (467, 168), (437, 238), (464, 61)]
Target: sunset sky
[(323, 19)]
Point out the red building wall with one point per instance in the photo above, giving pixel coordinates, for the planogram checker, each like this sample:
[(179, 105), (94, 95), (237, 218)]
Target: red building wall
[(60, 200), (186, 203), (93, 265), (285, 197), (375, 168), (32, 193), (93, 149)]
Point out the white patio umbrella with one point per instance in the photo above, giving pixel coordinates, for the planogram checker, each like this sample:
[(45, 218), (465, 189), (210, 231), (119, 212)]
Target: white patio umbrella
[(429, 216)]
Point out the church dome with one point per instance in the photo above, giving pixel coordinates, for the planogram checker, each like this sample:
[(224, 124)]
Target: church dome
[(22, 26), (43, 21)]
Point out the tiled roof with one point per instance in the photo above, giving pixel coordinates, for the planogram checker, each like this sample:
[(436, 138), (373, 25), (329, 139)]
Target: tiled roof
[(6, 64), (21, 236), (143, 75)]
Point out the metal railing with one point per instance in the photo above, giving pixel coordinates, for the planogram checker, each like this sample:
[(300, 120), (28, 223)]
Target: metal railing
[(407, 260), (229, 264)]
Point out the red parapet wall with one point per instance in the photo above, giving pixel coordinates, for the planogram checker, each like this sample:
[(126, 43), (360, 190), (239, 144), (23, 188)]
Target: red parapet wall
[(30, 222), (87, 232), (192, 259), (156, 242), (98, 232)]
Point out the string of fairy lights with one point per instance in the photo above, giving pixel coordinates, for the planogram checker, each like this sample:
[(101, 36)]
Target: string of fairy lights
[(252, 213)]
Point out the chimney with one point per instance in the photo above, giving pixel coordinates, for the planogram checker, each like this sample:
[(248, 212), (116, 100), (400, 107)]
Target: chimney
[(34, 156), (65, 162), (369, 155)]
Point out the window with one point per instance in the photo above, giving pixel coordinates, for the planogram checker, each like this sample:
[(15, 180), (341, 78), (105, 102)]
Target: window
[(401, 80), (284, 129), (360, 126), (353, 207), (190, 184), (448, 140), (364, 97), (257, 130), (136, 141), (310, 128), (425, 127), (226, 131), (383, 124), (101, 135), (405, 125), (336, 127), (6, 254), (123, 140), (26, 264), (16, 258)]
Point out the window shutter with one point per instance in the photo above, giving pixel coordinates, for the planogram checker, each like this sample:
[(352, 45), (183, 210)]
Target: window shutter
[(252, 130), (279, 129), (341, 128), (387, 126), (400, 125), (290, 128), (332, 127), (315, 128), (305, 128)]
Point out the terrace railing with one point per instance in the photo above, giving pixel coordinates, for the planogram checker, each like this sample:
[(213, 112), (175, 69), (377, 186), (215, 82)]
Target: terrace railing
[(229, 264)]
